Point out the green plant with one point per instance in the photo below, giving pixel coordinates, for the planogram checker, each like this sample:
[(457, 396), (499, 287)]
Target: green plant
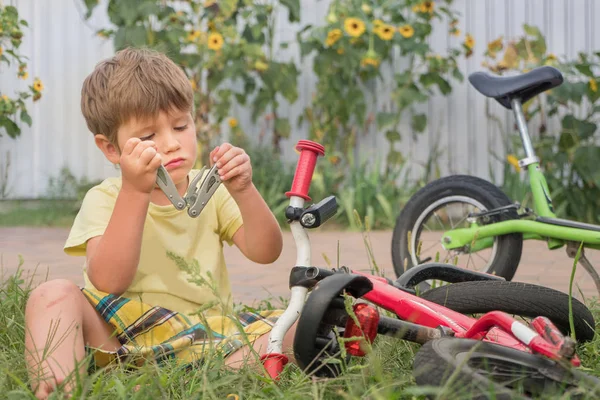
[(569, 156), (355, 48), (227, 49), (13, 107)]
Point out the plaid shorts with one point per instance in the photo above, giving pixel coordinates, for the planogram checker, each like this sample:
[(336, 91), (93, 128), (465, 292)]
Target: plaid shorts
[(148, 332)]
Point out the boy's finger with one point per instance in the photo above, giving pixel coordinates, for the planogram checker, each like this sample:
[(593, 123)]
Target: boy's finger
[(236, 161), (228, 156), (130, 145), (147, 155), (222, 149), (141, 147), (155, 162)]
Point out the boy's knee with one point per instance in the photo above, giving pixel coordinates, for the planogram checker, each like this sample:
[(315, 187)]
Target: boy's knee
[(53, 292)]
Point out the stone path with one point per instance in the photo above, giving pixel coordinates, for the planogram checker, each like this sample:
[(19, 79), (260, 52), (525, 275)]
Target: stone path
[(41, 251)]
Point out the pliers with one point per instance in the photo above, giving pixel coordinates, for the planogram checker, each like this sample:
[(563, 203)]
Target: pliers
[(196, 196)]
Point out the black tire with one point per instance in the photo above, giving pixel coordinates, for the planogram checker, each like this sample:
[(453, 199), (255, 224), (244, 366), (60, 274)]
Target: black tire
[(471, 369), (523, 299), (509, 247)]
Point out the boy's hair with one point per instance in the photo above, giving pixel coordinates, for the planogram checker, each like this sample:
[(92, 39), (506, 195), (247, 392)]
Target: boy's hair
[(136, 83)]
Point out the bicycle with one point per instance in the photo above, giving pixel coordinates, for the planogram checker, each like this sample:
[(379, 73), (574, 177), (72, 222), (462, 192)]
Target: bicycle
[(475, 218), (456, 347)]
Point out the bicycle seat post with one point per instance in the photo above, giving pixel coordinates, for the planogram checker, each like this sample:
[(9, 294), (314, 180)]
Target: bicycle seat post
[(530, 157)]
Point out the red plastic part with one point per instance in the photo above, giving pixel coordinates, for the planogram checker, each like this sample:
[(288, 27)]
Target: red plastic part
[(274, 363), (309, 151), (368, 318)]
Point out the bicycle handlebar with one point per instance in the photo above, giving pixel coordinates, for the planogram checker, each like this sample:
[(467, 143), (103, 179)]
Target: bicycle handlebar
[(309, 151)]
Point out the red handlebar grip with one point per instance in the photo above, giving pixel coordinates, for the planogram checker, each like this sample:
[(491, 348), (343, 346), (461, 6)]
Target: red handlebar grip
[(309, 151)]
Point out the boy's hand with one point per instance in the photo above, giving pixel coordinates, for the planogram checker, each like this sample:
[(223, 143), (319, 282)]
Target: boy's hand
[(139, 162), (234, 167)]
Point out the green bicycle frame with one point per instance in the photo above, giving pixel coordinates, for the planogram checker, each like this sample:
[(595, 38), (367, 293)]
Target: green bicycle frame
[(479, 237)]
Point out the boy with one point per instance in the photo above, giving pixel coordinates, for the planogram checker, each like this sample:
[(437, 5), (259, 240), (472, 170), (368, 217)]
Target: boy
[(136, 300)]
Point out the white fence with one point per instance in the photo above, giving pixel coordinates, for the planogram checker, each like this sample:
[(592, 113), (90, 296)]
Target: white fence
[(63, 49)]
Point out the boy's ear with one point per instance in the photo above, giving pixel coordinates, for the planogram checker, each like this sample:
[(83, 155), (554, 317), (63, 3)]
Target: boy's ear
[(111, 152)]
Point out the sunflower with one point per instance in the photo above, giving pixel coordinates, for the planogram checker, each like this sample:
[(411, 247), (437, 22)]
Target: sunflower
[(354, 27), (24, 75), (340, 51), (193, 35), (593, 85), (38, 86), (369, 61), (193, 84), (215, 41), (1, 51), (455, 32), (469, 41), (378, 23), (512, 160), (385, 32), (333, 36), (233, 123), (427, 7), (494, 46), (407, 31), (5, 98)]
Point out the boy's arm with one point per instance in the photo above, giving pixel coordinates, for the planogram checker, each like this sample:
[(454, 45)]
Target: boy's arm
[(263, 241), (113, 257), (260, 237)]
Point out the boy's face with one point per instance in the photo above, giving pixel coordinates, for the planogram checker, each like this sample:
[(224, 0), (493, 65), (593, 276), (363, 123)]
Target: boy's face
[(175, 137)]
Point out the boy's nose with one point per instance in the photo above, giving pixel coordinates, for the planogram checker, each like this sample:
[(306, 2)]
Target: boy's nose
[(171, 143)]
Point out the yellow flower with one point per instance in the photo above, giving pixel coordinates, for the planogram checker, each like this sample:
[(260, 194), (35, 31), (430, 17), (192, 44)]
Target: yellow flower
[(38, 86), (340, 51), (24, 75), (593, 85), (354, 27), (261, 66), (215, 41), (512, 160), (385, 32), (407, 31), (193, 84), (551, 57), (377, 23), (456, 32), (366, 8), (193, 35), (369, 61), (416, 8), (1, 51), (469, 41), (494, 46), (233, 122), (333, 36), (5, 98), (427, 7)]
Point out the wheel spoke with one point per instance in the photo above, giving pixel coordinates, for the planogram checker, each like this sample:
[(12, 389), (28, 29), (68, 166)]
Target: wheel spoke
[(439, 220)]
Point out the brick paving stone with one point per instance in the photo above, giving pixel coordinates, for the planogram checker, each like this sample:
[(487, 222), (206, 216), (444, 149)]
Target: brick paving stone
[(41, 251)]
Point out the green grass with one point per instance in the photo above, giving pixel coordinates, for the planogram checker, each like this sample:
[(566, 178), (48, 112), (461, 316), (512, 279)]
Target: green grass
[(385, 374), (47, 213)]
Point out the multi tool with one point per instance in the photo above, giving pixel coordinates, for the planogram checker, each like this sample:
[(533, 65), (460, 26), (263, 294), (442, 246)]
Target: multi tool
[(196, 196)]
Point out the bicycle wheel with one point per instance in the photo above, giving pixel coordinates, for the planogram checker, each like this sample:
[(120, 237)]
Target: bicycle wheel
[(474, 369), (523, 299), (444, 205)]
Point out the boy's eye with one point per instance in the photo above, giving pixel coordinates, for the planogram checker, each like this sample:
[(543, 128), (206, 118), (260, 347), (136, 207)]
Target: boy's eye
[(147, 137), (181, 128)]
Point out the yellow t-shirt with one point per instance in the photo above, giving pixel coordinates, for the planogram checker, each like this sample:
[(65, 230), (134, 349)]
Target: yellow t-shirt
[(158, 280)]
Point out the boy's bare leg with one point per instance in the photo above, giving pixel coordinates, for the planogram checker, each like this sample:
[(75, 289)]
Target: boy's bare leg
[(244, 356), (59, 320)]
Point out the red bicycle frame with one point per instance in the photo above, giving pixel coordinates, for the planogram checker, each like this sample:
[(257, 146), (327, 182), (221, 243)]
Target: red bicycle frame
[(494, 326)]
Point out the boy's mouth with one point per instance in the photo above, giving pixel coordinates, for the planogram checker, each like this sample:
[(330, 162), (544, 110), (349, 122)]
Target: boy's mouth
[(174, 163)]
